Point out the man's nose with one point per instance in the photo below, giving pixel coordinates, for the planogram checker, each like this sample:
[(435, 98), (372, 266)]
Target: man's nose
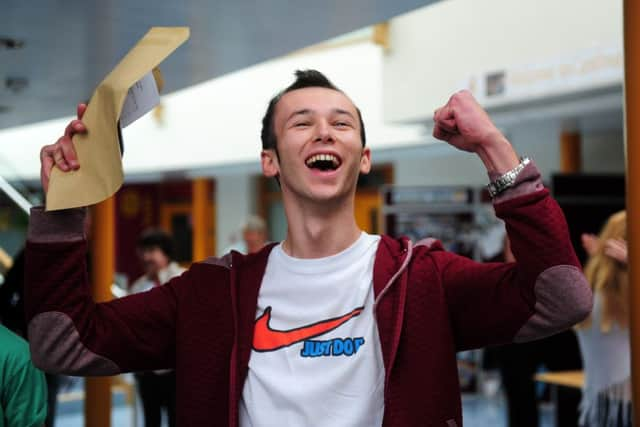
[(324, 132)]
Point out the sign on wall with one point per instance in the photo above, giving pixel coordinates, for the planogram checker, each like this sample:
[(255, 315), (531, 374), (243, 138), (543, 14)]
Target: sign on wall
[(585, 70)]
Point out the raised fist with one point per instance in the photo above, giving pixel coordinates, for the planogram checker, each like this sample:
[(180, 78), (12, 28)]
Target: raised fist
[(464, 124)]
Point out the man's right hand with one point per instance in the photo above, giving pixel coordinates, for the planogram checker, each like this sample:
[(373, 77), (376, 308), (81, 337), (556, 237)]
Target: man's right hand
[(62, 153)]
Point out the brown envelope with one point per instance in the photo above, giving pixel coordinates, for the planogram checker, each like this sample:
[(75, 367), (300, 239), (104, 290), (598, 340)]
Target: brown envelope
[(100, 174)]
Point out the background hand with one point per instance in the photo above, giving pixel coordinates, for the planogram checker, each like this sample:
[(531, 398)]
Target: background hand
[(617, 249), (590, 243)]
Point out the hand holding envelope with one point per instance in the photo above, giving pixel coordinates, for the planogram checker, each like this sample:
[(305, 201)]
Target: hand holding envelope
[(93, 142), (62, 154)]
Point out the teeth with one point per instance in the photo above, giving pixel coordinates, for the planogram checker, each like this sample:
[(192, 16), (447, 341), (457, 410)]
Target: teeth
[(323, 157)]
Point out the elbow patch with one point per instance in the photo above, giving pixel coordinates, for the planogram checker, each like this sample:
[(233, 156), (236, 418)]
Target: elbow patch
[(56, 347), (563, 298)]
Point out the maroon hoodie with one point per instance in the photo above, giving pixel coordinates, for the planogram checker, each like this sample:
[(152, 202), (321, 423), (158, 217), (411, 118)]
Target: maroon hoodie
[(429, 304)]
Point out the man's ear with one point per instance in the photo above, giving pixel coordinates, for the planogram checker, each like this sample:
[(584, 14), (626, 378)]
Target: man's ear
[(365, 161), (269, 161)]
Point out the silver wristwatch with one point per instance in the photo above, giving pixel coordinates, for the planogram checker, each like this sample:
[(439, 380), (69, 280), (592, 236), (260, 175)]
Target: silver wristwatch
[(507, 179)]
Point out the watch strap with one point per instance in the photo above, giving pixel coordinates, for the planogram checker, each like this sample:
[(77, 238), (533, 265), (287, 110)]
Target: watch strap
[(507, 179)]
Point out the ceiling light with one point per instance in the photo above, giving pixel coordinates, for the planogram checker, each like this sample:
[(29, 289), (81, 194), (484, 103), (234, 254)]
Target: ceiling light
[(11, 43), (16, 84)]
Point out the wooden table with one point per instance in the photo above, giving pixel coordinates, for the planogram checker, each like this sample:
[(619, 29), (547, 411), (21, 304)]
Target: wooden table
[(573, 379)]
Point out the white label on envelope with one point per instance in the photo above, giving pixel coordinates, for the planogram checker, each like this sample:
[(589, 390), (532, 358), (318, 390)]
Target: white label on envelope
[(142, 97)]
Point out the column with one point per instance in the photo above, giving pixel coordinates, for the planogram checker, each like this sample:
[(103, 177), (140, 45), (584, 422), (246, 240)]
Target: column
[(200, 198), (570, 153), (632, 115), (97, 405)]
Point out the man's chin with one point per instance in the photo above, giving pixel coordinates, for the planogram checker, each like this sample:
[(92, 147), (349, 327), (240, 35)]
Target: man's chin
[(320, 193), (329, 196)]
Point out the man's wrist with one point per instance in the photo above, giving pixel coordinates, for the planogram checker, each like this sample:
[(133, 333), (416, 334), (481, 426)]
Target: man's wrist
[(498, 155), (508, 179)]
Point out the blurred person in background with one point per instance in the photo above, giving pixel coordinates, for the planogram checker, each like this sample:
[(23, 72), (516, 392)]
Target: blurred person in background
[(23, 389), (604, 336), (254, 237), (157, 388), (254, 234), (155, 250)]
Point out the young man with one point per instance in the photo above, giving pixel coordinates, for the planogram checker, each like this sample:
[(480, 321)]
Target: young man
[(332, 326), (157, 388)]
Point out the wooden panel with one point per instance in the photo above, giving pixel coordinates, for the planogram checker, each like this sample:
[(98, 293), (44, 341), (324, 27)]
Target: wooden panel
[(570, 152), (632, 133), (169, 211), (202, 219), (367, 211)]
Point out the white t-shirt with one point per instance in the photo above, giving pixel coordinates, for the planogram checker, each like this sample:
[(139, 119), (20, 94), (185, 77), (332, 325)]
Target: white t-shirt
[(316, 357)]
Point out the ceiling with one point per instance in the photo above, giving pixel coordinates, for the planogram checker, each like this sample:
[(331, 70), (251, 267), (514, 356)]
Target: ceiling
[(53, 53)]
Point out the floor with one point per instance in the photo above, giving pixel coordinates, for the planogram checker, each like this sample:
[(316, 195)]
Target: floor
[(478, 411)]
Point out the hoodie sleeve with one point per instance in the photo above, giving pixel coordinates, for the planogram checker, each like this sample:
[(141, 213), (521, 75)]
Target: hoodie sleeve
[(71, 334), (542, 293)]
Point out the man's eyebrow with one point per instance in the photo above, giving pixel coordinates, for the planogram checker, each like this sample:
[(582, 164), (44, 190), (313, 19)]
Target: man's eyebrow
[(341, 111), (302, 112)]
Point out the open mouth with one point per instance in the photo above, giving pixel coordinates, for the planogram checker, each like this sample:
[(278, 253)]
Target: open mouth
[(323, 162)]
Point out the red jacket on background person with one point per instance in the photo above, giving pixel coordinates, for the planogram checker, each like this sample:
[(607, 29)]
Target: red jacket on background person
[(429, 304)]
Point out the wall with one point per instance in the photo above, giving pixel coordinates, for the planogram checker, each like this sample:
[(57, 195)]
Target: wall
[(603, 152), (540, 142), (235, 201), (436, 49), (440, 164)]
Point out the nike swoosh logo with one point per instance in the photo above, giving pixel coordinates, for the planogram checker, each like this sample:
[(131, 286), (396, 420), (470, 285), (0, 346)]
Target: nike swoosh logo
[(267, 339)]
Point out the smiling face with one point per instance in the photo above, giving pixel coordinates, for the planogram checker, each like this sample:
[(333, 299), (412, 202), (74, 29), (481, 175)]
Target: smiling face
[(320, 152)]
